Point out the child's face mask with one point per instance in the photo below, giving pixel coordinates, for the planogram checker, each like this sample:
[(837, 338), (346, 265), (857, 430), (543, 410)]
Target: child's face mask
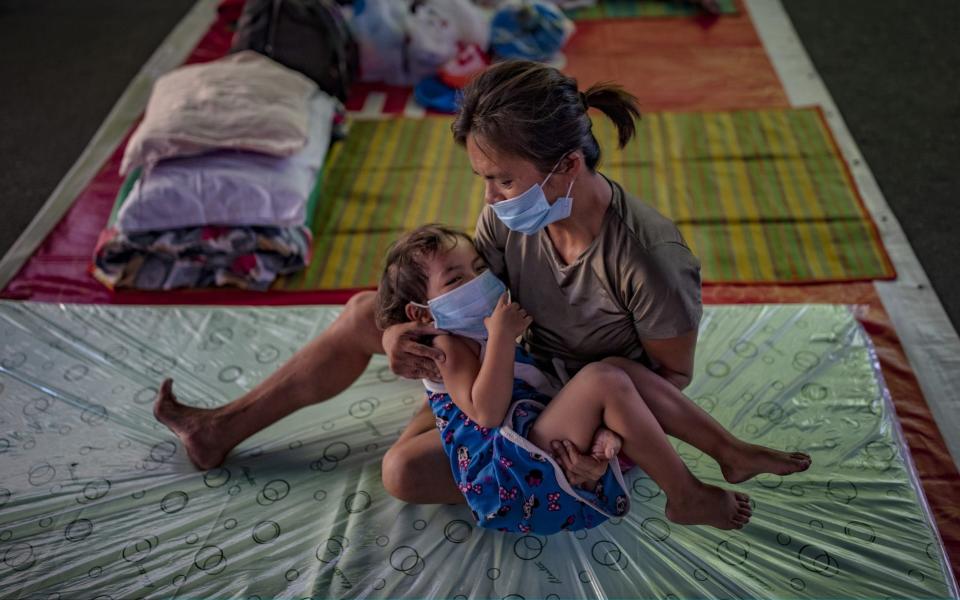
[(461, 311)]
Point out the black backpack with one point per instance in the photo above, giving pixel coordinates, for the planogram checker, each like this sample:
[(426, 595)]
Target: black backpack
[(309, 36)]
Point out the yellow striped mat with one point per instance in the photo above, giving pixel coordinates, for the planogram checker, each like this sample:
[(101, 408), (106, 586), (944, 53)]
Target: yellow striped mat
[(761, 196)]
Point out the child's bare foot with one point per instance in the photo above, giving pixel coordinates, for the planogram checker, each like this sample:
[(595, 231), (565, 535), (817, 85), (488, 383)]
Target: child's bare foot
[(709, 505), (192, 425), (606, 444), (750, 460)]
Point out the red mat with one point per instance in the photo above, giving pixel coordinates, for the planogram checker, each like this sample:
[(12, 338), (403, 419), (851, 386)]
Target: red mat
[(678, 64)]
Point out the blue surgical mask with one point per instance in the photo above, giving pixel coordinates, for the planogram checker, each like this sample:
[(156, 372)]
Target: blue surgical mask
[(530, 212), (462, 310)]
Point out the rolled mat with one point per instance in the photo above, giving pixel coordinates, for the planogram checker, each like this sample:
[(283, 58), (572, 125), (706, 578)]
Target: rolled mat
[(629, 9)]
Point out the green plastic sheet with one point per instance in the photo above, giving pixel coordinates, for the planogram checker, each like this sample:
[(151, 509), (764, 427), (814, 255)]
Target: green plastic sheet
[(99, 500)]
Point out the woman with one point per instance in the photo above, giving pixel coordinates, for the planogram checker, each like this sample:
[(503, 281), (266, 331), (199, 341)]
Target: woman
[(602, 274)]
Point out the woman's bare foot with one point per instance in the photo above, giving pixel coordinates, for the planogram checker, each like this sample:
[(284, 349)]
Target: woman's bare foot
[(194, 427), (705, 504), (750, 460)]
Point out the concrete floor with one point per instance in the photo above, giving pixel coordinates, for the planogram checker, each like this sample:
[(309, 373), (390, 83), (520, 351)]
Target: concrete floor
[(893, 69)]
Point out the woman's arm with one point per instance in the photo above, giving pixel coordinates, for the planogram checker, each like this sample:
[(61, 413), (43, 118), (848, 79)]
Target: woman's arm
[(666, 308), (672, 358)]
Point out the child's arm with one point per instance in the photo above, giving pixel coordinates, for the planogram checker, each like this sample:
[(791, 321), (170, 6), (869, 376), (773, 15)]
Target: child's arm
[(461, 373), (483, 391)]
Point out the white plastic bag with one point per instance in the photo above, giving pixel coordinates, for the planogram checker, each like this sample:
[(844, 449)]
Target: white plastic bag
[(401, 44), (380, 27)]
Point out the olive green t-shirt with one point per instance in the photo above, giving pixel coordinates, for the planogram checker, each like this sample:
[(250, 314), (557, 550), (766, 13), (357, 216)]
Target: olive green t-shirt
[(638, 280)]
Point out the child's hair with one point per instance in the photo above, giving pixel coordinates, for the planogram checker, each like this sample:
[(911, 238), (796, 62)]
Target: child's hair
[(404, 278)]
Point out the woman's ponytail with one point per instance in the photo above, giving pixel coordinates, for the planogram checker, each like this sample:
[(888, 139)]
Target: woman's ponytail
[(618, 104)]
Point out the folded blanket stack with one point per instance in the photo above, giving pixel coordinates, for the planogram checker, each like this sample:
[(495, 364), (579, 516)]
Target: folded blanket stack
[(220, 175)]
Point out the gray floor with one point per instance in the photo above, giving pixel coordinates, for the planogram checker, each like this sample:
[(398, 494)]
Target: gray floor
[(892, 67), (63, 64)]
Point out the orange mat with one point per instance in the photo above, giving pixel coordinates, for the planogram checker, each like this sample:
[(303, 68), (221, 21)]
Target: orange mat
[(678, 64)]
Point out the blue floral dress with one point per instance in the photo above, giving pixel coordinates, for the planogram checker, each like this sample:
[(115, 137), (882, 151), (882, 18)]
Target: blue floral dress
[(511, 484)]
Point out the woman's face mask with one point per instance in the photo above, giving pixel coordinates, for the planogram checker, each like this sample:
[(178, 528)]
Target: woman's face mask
[(530, 212), (462, 310)]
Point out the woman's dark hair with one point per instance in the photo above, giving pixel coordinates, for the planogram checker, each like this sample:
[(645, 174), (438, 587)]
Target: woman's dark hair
[(536, 112), (404, 278)]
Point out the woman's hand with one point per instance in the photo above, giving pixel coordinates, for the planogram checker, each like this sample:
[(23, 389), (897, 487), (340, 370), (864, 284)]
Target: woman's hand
[(408, 357), (508, 319), (585, 470)]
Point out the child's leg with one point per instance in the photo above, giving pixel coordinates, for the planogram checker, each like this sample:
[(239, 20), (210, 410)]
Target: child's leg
[(603, 394), (680, 417)]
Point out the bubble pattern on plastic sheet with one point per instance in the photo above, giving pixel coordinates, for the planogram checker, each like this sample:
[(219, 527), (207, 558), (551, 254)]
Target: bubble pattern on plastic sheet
[(97, 498)]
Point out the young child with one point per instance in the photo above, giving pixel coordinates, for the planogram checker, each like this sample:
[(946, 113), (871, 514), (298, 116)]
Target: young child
[(493, 414)]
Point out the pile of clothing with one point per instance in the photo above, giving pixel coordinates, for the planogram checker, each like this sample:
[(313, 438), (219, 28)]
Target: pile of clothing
[(437, 46), (221, 178)]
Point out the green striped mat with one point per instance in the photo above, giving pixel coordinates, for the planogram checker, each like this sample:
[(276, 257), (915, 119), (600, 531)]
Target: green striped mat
[(625, 9), (760, 196)]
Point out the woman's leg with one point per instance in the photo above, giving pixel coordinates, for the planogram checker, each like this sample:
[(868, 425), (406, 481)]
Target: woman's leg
[(321, 369), (604, 394), (416, 469), (681, 418)]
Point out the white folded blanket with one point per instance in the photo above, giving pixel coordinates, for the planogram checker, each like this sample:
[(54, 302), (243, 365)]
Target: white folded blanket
[(244, 101), (230, 187)]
